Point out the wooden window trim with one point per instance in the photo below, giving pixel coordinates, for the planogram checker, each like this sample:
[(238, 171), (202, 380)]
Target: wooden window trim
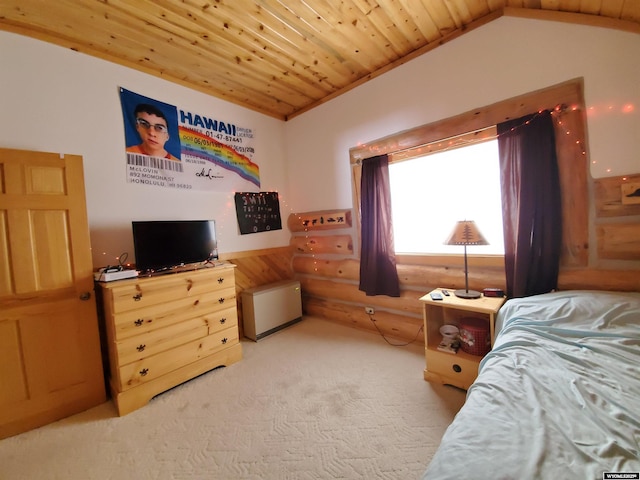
[(571, 150)]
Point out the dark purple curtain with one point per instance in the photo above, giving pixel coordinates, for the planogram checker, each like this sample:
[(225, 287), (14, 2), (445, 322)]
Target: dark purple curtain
[(531, 206), (378, 275)]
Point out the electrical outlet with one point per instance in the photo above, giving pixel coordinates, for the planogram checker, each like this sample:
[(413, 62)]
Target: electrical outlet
[(369, 310)]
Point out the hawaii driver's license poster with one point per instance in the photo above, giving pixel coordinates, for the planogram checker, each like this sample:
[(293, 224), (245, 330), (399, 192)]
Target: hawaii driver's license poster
[(169, 147)]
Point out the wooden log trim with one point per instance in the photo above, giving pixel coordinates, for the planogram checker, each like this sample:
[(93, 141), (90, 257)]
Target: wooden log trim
[(573, 18), (572, 156), (452, 260), (619, 241), (608, 196), (256, 253), (424, 277), (335, 244), (320, 220), (393, 326), (430, 277), (342, 269), (574, 181), (599, 279), (407, 303), (570, 92)]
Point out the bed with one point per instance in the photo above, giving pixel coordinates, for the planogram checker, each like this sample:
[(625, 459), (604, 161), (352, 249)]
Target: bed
[(558, 396)]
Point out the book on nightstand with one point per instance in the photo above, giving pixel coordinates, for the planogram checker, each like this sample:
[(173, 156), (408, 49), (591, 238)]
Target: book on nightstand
[(449, 347)]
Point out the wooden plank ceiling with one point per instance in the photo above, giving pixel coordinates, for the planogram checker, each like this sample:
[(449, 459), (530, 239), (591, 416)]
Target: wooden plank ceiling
[(278, 57)]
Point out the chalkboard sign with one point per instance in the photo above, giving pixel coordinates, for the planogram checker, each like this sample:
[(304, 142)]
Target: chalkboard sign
[(258, 212)]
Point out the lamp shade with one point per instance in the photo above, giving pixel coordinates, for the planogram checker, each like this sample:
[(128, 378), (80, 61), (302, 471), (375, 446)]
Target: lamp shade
[(466, 233)]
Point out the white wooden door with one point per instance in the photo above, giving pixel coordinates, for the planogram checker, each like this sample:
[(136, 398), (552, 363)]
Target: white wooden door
[(50, 361)]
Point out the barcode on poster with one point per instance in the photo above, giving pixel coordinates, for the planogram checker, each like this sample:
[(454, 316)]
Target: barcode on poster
[(153, 162)]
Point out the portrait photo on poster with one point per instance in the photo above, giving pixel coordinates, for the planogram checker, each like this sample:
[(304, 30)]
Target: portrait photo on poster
[(172, 147), (258, 212), (150, 127)]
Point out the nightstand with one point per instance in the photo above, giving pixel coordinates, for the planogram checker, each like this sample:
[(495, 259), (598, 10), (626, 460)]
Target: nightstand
[(458, 369)]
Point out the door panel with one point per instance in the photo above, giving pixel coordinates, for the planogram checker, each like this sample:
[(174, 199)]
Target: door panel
[(14, 386), (50, 362), (5, 274), (54, 348), (50, 231)]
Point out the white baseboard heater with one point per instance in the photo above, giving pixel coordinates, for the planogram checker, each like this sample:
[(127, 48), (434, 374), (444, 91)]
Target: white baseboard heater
[(269, 308)]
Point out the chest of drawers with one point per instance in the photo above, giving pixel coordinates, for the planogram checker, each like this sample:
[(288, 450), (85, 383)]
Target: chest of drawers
[(162, 331)]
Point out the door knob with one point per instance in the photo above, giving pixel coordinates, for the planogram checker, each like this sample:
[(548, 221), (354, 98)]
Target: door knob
[(84, 296)]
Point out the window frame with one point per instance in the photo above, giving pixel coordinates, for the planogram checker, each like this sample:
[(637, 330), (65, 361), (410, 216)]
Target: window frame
[(571, 151), (458, 143)]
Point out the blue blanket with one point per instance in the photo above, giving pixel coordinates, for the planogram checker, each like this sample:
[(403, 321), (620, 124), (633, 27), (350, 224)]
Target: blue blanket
[(557, 397)]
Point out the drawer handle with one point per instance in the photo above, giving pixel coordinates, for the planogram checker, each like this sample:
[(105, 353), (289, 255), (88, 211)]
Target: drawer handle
[(221, 300), (144, 372), (189, 284), (457, 368), (224, 340), (141, 348), (221, 280), (137, 297), (138, 322), (223, 320)]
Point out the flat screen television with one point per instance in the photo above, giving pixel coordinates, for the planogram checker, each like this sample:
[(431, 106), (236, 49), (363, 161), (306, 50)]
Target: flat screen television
[(161, 245)]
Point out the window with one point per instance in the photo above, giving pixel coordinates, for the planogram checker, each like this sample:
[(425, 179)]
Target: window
[(431, 193), (571, 151)]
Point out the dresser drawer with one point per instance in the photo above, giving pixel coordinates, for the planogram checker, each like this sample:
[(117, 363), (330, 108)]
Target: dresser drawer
[(159, 340), (136, 322), (143, 292), (153, 367), (221, 319)]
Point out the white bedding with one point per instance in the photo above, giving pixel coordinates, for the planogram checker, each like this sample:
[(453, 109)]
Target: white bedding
[(558, 397)]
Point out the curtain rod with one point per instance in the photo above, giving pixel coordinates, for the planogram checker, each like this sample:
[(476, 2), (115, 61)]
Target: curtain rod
[(558, 109), (422, 145), (442, 140)]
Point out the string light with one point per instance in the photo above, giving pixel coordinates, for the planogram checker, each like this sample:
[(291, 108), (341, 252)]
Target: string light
[(421, 150), (556, 113), (119, 259), (305, 226), (284, 206)]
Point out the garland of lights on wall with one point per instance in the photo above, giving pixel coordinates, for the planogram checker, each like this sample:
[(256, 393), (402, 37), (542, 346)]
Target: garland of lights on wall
[(556, 113)]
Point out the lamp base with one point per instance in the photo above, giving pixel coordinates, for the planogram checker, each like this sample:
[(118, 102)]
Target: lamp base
[(470, 294)]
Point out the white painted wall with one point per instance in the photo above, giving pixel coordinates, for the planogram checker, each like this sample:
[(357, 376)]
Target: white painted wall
[(503, 59), (56, 100)]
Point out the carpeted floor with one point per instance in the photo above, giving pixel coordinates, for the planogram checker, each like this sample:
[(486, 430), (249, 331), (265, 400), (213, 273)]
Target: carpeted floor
[(317, 400)]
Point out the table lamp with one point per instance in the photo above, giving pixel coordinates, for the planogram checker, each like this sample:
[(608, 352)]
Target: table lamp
[(466, 233)]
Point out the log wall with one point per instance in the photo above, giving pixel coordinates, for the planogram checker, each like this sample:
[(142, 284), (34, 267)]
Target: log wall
[(617, 217), (329, 276), (600, 250), (323, 255), (600, 232), (330, 279)]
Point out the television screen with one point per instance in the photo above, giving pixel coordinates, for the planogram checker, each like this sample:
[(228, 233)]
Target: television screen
[(164, 244)]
